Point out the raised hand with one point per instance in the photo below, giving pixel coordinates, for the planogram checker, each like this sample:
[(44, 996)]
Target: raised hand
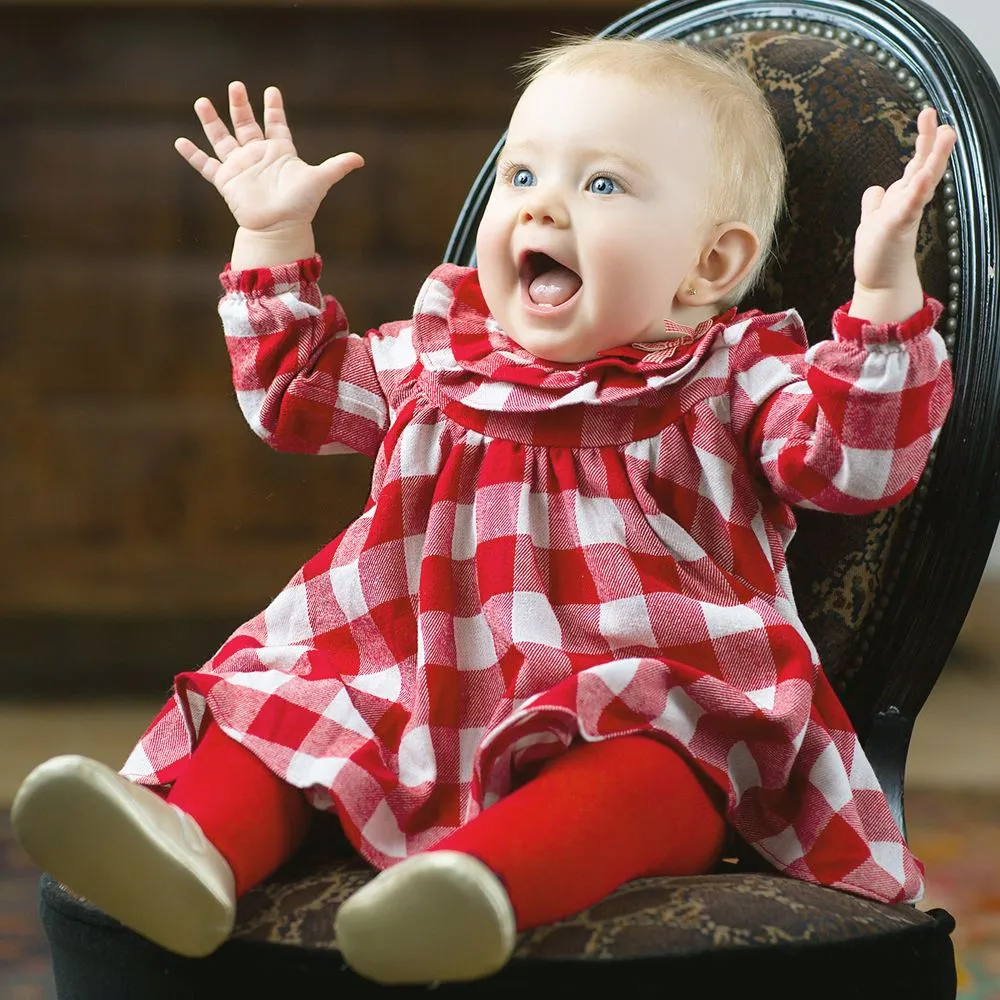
[(267, 187), (886, 239)]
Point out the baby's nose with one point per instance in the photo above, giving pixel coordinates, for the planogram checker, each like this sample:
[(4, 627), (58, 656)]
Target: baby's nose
[(545, 210)]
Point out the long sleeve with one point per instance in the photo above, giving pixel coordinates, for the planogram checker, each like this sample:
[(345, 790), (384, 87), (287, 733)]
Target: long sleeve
[(847, 424), (304, 382)]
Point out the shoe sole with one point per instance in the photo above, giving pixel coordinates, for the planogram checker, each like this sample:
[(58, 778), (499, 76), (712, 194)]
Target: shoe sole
[(444, 919), (77, 823)]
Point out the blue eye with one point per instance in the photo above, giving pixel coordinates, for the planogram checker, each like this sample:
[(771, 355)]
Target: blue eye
[(603, 185), (522, 178)]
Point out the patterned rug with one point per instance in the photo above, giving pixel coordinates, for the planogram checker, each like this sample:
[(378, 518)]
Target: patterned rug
[(24, 956), (956, 834)]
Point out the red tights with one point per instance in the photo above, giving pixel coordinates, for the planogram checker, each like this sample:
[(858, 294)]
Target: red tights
[(559, 843), (254, 819)]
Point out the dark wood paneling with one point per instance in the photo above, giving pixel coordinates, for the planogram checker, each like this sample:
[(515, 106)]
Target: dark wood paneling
[(404, 200), (424, 59), (138, 510), (119, 328)]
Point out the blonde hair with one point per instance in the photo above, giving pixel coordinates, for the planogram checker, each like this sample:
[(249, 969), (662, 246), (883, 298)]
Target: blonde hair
[(749, 182)]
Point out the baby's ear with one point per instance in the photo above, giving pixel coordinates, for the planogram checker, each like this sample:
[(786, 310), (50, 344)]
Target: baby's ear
[(727, 258)]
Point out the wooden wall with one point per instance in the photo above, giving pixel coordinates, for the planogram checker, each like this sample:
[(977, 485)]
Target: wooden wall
[(140, 519)]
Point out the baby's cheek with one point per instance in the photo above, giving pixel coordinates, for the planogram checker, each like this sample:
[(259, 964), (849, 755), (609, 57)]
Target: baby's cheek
[(487, 249), (615, 252), (493, 248), (490, 284)]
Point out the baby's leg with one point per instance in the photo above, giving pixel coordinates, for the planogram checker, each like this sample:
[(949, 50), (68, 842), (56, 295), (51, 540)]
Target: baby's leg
[(170, 870), (253, 818), (594, 818)]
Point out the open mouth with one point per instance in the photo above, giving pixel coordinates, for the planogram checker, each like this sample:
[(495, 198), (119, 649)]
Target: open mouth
[(545, 282)]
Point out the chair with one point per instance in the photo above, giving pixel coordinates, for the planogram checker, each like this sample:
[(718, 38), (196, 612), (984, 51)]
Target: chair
[(884, 595)]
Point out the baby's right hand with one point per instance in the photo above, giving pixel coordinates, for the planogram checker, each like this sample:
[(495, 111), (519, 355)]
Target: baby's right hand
[(265, 184)]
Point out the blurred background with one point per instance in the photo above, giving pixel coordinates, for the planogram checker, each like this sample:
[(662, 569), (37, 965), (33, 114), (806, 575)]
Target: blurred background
[(140, 519)]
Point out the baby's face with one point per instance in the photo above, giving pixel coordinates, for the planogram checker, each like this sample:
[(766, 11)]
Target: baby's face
[(597, 215)]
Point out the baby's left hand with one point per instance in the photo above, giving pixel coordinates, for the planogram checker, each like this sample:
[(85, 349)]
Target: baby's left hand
[(886, 240)]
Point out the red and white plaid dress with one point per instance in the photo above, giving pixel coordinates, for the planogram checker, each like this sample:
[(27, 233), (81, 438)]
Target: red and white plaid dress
[(560, 552)]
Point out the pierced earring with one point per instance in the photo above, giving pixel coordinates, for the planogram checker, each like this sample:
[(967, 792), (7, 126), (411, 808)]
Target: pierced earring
[(692, 290)]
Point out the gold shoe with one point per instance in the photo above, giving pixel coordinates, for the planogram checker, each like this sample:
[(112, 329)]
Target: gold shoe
[(120, 846), (439, 916)]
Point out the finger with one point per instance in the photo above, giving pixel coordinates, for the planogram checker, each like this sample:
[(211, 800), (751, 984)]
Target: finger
[(214, 128), (926, 127), (338, 167), (945, 138), (275, 121), (921, 191), (871, 199), (911, 168), (926, 180), (206, 165), (245, 126)]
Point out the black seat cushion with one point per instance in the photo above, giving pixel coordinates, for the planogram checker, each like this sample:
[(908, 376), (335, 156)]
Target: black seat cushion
[(712, 932)]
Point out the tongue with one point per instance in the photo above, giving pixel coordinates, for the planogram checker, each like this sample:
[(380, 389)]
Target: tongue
[(554, 287)]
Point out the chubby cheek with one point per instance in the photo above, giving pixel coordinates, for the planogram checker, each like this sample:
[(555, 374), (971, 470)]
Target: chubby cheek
[(487, 234), (492, 253), (612, 257), (618, 280), (639, 274), (493, 236)]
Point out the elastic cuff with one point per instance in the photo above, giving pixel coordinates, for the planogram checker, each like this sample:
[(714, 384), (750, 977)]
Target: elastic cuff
[(856, 328), (261, 281)]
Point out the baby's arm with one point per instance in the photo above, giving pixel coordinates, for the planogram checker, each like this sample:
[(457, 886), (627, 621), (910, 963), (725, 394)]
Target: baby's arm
[(887, 286), (303, 381), (847, 425)]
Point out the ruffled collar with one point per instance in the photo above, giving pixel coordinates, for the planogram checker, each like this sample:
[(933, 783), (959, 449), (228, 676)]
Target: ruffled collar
[(474, 350)]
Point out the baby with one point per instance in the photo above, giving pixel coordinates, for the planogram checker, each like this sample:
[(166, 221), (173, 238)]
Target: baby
[(559, 649)]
